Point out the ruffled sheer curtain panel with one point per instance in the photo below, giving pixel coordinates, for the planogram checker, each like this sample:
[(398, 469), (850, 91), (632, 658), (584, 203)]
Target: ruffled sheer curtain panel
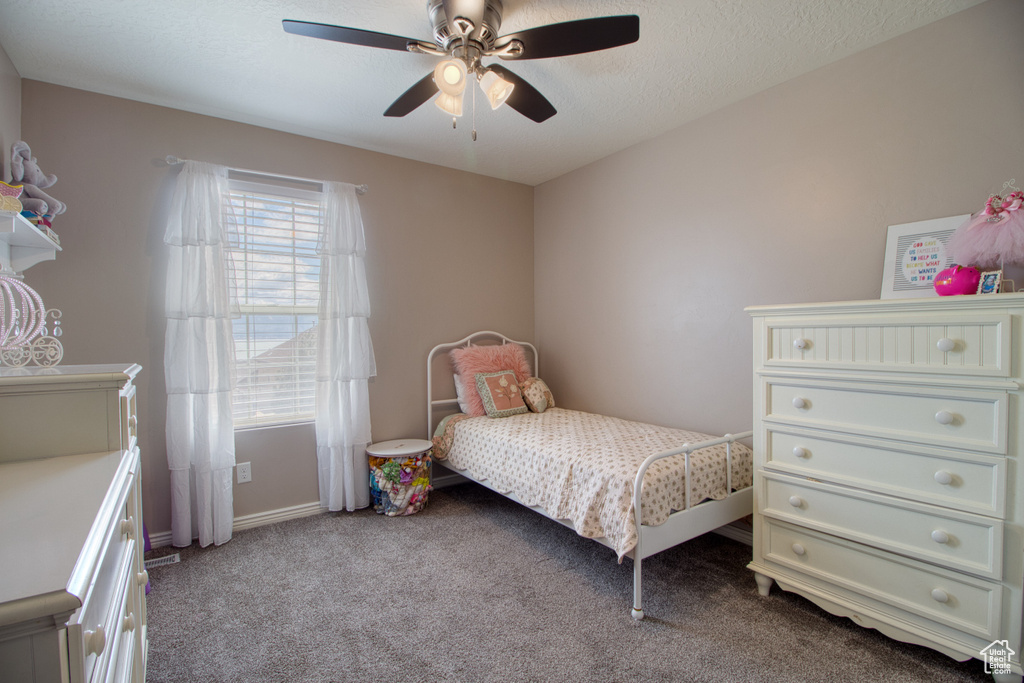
[(199, 359), (345, 359)]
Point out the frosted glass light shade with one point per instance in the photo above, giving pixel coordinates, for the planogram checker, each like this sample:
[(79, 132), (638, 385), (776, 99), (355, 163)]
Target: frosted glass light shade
[(450, 76), (496, 88), (451, 104)]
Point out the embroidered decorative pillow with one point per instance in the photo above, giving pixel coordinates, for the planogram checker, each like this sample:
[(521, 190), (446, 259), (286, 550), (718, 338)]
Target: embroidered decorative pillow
[(536, 394), (500, 393), (473, 359)]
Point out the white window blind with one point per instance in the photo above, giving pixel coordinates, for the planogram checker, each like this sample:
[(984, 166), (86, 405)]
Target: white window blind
[(274, 276)]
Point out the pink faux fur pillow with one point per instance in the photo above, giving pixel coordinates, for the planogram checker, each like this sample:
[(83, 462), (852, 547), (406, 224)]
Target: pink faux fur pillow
[(468, 361)]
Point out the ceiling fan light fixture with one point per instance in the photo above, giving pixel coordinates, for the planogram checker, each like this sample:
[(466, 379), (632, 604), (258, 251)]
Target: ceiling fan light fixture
[(450, 76), (496, 88), (466, 31), (451, 104)]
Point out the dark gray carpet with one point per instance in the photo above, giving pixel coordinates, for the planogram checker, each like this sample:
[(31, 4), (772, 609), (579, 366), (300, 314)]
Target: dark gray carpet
[(477, 588)]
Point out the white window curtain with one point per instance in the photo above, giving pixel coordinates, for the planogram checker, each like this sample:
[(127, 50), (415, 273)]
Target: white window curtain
[(199, 359), (345, 359)]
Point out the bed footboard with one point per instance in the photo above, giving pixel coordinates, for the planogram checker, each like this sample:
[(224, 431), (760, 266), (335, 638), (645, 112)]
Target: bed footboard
[(699, 518)]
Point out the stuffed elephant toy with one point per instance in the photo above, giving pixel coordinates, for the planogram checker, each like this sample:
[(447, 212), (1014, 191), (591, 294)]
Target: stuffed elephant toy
[(26, 172)]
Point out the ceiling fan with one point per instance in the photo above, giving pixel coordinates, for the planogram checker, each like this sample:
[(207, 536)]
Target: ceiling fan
[(465, 32)]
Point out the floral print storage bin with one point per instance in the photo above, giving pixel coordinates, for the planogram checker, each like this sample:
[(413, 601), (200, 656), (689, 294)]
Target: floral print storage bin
[(399, 476)]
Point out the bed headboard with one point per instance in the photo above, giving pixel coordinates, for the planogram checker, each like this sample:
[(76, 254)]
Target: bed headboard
[(443, 349)]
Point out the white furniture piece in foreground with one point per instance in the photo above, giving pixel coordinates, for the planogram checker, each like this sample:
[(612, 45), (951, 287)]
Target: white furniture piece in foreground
[(73, 594), (888, 486)]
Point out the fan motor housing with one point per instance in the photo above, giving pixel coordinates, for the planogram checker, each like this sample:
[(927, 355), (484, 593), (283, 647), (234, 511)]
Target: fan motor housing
[(485, 34)]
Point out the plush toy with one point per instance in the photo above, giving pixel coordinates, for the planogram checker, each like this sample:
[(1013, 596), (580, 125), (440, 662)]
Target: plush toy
[(26, 172)]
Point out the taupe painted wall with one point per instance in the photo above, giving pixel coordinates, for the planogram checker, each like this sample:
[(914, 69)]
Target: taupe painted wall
[(432, 277), (646, 259), (10, 111), (634, 270)]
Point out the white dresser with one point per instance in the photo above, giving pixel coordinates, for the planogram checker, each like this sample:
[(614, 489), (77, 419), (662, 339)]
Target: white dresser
[(888, 483), (72, 593)]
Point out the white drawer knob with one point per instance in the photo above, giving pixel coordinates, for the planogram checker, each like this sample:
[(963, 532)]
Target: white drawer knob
[(946, 345), (940, 536), (142, 578), (128, 527), (796, 501), (800, 344), (943, 477), (799, 403), (801, 452), (944, 417), (129, 622), (95, 641), (798, 549), (939, 595)]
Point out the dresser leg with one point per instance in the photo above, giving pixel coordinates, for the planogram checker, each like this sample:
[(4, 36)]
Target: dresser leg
[(764, 583)]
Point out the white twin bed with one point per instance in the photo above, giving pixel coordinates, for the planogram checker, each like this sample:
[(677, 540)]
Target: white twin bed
[(636, 488)]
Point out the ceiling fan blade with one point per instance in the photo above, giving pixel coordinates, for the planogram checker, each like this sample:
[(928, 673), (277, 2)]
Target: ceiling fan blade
[(573, 37), (352, 36), (525, 99), (423, 90)]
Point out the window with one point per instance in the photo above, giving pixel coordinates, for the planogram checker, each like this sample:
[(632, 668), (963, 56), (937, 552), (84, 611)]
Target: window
[(274, 275)]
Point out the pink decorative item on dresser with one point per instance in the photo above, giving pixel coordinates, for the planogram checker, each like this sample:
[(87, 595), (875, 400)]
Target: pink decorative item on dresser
[(957, 280), (994, 236)]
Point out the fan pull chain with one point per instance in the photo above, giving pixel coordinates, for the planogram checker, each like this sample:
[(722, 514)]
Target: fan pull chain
[(474, 114)]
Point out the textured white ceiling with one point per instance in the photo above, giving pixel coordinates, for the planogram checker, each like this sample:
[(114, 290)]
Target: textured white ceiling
[(231, 59)]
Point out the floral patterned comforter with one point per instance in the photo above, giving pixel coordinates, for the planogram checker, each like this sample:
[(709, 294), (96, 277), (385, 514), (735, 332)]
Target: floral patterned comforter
[(580, 467)]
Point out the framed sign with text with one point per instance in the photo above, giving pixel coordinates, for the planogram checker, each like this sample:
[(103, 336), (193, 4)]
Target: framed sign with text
[(914, 254)]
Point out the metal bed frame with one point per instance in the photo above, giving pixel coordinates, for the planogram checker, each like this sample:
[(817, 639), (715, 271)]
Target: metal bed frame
[(681, 525)]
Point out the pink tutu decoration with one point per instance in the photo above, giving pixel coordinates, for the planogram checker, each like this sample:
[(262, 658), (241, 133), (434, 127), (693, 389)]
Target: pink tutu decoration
[(994, 236)]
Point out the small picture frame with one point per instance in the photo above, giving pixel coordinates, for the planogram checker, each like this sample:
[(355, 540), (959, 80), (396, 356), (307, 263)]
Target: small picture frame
[(989, 283)]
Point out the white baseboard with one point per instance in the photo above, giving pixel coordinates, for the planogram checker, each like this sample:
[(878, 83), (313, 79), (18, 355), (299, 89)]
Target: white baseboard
[(275, 516), (737, 533), (252, 521), (449, 479), (160, 540)]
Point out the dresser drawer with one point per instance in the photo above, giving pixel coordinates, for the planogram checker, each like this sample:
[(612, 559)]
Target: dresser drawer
[(123, 664), (96, 633), (953, 417), (955, 540), (969, 605), (118, 541), (951, 344), (953, 479), (107, 563)]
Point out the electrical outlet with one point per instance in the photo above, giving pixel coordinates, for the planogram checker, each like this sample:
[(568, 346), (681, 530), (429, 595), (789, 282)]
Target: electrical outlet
[(244, 470)]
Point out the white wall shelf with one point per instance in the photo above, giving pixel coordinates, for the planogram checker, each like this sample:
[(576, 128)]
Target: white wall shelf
[(23, 245)]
